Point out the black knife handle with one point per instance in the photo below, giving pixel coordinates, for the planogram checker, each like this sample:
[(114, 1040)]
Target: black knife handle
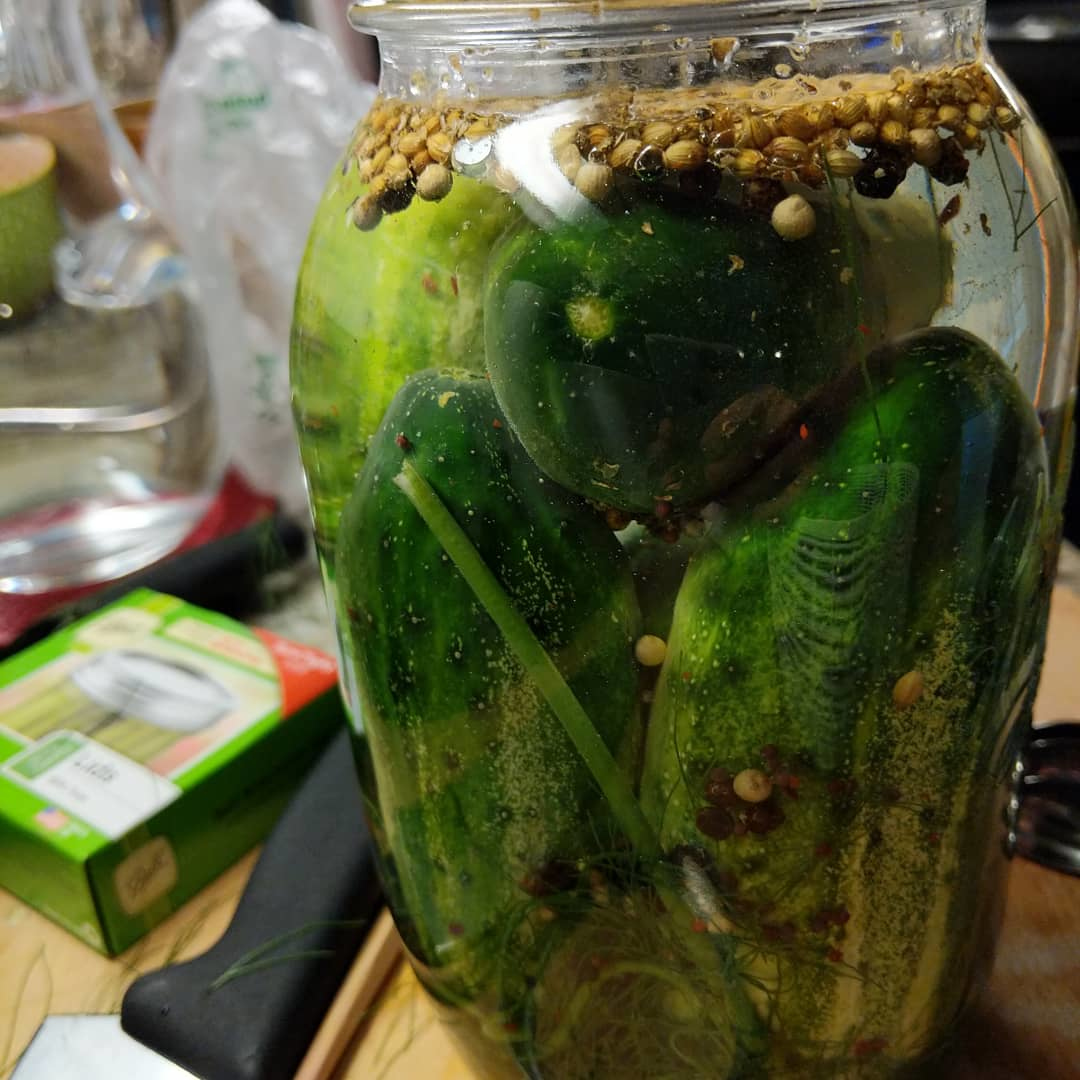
[(318, 868)]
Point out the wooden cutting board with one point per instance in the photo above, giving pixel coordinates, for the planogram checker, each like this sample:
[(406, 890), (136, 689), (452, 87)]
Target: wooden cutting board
[(1027, 1026)]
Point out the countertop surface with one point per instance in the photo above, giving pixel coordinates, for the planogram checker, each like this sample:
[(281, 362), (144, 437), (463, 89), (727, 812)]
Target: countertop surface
[(1027, 1025)]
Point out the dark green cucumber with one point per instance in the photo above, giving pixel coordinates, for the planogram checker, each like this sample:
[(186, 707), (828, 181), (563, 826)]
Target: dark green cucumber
[(631, 380), (911, 546), (479, 789)]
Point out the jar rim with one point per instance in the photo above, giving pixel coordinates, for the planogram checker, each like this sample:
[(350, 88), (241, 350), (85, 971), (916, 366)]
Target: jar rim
[(491, 20)]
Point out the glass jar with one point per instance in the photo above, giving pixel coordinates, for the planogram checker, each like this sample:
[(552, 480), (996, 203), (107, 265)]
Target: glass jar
[(685, 395), (108, 437)]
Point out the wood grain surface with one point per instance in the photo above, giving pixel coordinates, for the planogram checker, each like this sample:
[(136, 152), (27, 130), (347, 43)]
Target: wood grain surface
[(1027, 1025)]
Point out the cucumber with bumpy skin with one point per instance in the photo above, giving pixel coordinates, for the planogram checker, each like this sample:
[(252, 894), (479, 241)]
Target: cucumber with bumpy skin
[(856, 640), (630, 383), (480, 792)]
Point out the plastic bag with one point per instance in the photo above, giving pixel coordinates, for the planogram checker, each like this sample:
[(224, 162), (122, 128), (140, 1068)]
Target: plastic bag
[(251, 118)]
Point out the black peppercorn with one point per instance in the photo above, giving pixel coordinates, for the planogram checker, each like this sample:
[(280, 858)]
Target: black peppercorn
[(881, 174), (715, 823), (649, 163), (953, 166)]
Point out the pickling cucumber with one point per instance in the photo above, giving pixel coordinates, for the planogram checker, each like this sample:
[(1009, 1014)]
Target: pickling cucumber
[(856, 640), (482, 799), (631, 384)]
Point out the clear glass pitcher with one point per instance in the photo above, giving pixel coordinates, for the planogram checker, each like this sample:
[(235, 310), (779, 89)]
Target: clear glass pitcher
[(685, 393), (107, 430)]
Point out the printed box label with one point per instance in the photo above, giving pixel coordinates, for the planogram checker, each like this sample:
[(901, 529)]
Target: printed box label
[(108, 791)]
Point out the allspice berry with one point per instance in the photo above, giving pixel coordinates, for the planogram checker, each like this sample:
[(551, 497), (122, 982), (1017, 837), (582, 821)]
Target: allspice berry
[(434, 182), (926, 146), (752, 785), (365, 213), (650, 650), (794, 218)]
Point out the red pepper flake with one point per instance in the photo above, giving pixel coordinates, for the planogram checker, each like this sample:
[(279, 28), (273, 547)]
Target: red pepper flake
[(866, 1047), (789, 784), (835, 956), (934, 838), (952, 208), (402, 441), (496, 424), (839, 788), (456, 929), (616, 519), (804, 432), (824, 850), (686, 676), (454, 284), (864, 329), (431, 286), (699, 926), (827, 917), (663, 510), (511, 1027), (784, 932)]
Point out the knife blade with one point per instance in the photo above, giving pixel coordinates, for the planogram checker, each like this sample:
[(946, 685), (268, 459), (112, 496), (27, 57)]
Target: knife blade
[(249, 1007), (91, 1048)]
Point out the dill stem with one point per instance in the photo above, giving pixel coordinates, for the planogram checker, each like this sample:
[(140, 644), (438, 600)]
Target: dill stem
[(533, 657), (568, 710)]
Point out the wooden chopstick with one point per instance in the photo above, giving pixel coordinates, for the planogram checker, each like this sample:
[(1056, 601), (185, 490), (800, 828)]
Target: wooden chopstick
[(351, 1006)]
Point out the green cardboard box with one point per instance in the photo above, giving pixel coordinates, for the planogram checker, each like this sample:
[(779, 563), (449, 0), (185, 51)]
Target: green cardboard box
[(142, 751)]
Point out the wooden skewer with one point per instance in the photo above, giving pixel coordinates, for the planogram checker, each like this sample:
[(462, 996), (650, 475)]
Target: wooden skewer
[(365, 979)]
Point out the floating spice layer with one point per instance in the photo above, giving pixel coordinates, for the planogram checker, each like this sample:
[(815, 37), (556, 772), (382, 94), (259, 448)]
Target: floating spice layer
[(870, 130)]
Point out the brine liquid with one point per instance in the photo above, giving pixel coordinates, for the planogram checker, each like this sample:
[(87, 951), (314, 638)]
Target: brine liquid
[(679, 484)]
